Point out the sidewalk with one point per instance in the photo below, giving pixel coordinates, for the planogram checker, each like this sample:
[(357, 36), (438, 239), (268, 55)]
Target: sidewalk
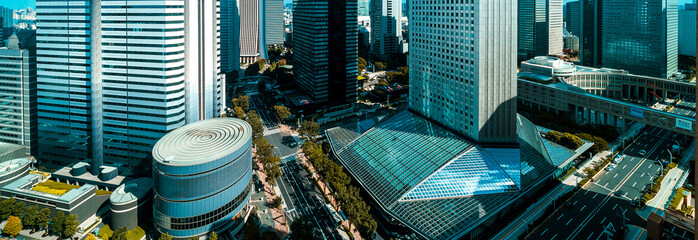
[(520, 225), (280, 225), (327, 193)]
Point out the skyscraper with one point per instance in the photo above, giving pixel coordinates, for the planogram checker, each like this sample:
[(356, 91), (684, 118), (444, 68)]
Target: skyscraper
[(7, 17), (463, 67), (386, 27), (18, 87), (137, 71), (640, 36), (590, 36), (252, 26), (539, 28), (364, 8), (325, 39), (573, 17), (230, 36), (274, 22), (687, 30)]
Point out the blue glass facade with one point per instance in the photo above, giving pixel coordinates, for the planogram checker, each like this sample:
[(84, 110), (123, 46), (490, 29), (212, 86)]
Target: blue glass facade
[(202, 177)]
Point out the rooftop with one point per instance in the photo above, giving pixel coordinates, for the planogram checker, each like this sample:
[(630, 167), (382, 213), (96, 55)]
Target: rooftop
[(26, 184), (132, 190), (437, 183), (201, 142)]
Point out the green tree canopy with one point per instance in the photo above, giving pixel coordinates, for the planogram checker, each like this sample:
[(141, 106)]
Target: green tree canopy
[(13, 226), (70, 226), (42, 218), (380, 65), (57, 222), (166, 236), (213, 236), (91, 237), (242, 101), (18, 209), (239, 113), (6, 207), (119, 234), (309, 129), (31, 215), (302, 229), (282, 112)]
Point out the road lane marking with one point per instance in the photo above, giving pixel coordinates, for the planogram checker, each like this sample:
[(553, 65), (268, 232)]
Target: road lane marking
[(575, 202), (614, 176), (605, 185), (604, 219), (650, 166), (634, 184), (624, 166), (568, 222), (582, 208), (592, 234), (595, 194), (553, 237), (558, 218), (544, 232)]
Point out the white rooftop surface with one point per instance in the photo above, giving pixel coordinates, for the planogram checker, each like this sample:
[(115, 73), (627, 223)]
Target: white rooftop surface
[(201, 142)]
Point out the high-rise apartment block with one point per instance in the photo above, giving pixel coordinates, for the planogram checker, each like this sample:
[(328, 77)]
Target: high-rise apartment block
[(462, 66), (18, 121), (116, 76), (640, 36), (325, 39), (687, 30), (539, 28), (274, 12), (386, 27)]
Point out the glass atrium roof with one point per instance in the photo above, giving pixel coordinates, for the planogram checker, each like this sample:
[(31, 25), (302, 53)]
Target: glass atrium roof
[(437, 183)]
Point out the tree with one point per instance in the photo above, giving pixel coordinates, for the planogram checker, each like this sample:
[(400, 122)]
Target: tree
[(57, 222), (70, 225), (282, 111), (301, 229), (13, 226), (277, 202), (18, 209), (242, 101), (6, 207), (213, 236), (256, 123), (273, 170), (362, 64), (43, 217), (309, 129), (119, 234), (166, 236), (239, 113), (252, 230), (31, 215), (91, 237), (380, 65)]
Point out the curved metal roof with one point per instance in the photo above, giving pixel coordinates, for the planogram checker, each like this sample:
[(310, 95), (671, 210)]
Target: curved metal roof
[(201, 142), (131, 191)]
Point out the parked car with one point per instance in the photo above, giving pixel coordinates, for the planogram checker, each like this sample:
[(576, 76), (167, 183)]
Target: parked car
[(611, 167), (643, 152), (618, 193)]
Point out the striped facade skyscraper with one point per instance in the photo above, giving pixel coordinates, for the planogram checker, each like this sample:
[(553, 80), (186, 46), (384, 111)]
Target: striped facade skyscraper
[(274, 21), (116, 76), (230, 35), (386, 27), (252, 25)]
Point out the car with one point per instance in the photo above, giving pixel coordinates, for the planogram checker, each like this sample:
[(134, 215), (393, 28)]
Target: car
[(619, 193), (611, 167), (643, 152), (618, 158)]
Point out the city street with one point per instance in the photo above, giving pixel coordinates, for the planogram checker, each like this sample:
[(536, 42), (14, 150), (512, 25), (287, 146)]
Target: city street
[(268, 119), (303, 198), (601, 204)]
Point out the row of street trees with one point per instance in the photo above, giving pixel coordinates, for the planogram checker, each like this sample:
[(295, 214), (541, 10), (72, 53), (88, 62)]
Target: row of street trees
[(346, 193), (20, 216)]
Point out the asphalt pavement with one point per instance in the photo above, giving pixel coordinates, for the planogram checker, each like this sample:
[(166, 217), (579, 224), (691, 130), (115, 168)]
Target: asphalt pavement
[(597, 210), (303, 198)]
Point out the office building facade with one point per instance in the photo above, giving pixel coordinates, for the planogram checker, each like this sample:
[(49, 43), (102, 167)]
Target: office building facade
[(386, 27), (7, 16), (687, 30), (123, 76), (325, 39), (539, 28), (202, 177), (462, 74), (274, 22), (18, 120), (230, 36), (640, 36), (573, 17), (252, 26)]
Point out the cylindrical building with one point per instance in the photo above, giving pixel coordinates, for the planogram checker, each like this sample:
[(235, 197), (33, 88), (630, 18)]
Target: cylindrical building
[(128, 201), (202, 176)]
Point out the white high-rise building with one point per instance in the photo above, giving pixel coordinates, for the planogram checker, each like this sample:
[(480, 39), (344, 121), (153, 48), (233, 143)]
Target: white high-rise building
[(687, 30), (555, 35), (463, 66), (252, 25), (386, 27), (539, 28), (274, 12), (116, 76)]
